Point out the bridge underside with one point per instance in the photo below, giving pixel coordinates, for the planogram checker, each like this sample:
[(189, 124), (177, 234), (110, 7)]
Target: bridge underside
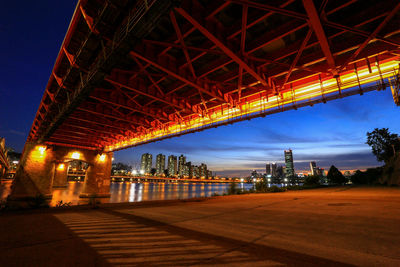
[(131, 72)]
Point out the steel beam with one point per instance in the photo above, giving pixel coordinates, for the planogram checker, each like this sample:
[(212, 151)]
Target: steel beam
[(372, 35), (222, 46), (315, 23), (175, 75)]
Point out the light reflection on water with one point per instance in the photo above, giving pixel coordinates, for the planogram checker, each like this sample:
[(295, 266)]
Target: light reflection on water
[(135, 192)]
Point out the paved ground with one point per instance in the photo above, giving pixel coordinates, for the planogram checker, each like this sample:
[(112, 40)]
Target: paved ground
[(331, 227)]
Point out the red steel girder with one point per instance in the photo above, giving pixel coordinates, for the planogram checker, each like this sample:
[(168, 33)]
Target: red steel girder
[(176, 76), (169, 100), (221, 45), (90, 147), (66, 132), (130, 120), (315, 23), (372, 35), (75, 142), (92, 129), (79, 117), (303, 45), (145, 110)]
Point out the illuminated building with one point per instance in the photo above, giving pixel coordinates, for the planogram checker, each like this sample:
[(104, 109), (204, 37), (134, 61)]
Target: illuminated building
[(196, 171), (160, 164), (189, 169), (146, 163), (268, 169), (181, 165), (172, 165), (313, 168), (289, 164), (273, 170), (203, 170)]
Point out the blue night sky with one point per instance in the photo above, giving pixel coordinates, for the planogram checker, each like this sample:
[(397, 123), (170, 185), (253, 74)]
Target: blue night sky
[(332, 133)]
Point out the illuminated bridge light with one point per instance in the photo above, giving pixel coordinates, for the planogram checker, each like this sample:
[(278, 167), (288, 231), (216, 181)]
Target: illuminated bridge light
[(76, 155), (303, 92)]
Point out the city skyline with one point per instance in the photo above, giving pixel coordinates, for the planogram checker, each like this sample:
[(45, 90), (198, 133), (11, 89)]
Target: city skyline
[(331, 134)]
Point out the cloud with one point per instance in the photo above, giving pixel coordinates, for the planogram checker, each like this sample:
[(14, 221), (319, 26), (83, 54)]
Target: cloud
[(363, 159)]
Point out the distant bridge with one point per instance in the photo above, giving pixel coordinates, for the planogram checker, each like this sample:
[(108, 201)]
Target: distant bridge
[(133, 72)]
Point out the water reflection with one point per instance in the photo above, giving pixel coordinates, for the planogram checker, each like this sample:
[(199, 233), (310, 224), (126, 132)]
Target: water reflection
[(134, 192)]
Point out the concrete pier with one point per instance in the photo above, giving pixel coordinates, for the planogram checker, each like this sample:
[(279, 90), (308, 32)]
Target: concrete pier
[(43, 167)]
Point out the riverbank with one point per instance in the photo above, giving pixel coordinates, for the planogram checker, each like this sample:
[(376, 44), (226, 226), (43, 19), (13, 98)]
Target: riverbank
[(328, 226)]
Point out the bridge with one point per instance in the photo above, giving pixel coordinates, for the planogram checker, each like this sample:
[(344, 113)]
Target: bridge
[(133, 72)]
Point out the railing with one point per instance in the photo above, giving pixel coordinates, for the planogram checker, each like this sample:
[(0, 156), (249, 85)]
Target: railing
[(348, 84), (395, 86)]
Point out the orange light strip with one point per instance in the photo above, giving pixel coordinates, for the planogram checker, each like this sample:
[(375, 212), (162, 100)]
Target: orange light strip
[(262, 104)]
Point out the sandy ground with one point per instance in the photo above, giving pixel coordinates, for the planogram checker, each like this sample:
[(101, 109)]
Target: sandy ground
[(332, 226)]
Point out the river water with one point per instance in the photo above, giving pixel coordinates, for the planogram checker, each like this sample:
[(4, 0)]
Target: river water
[(135, 191)]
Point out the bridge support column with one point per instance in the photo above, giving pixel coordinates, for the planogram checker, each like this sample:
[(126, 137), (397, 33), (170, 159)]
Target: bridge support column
[(34, 174), (60, 175), (98, 176)]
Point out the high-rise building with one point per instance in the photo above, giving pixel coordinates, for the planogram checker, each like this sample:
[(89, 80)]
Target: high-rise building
[(280, 171), (268, 169), (196, 172), (160, 164), (181, 165), (273, 170), (289, 163), (313, 168), (189, 170), (146, 163), (203, 170), (172, 165)]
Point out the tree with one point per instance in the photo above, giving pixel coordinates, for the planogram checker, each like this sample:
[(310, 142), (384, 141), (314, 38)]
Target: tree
[(335, 176), (312, 180), (383, 143)]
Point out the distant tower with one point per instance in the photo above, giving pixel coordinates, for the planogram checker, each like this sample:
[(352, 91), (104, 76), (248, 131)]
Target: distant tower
[(181, 165), (273, 170), (289, 163), (160, 164), (268, 169), (172, 165), (313, 168), (146, 163)]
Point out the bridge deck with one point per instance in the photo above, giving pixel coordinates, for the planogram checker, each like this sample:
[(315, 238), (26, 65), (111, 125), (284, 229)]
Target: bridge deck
[(131, 72)]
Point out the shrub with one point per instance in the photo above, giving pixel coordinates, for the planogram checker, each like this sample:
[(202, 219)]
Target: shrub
[(312, 180), (262, 186), (232, 190), (63, 204), (371, 176), (335, 176)]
